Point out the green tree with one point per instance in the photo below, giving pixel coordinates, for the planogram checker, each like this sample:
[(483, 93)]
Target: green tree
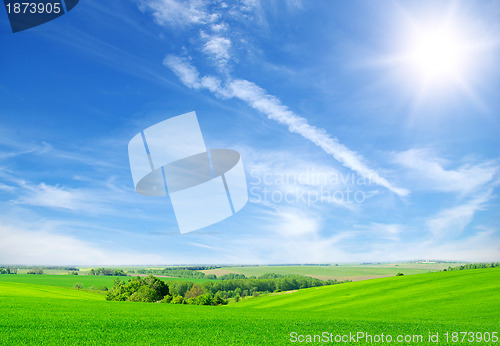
[(148, 289), (194, 292)]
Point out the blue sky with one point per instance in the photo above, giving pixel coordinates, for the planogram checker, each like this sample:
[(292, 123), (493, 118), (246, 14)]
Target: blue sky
[(368, 131)]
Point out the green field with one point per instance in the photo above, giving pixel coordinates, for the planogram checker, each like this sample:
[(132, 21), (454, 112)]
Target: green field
[(69, 280), (354, 272), (456, 301)]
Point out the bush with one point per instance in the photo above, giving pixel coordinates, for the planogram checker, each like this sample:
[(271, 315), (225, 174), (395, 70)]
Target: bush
[(400, 274), (167, 299), (218, 300), (144, 294), (177, 300), (205, 299), (148, 289), (78, 286)]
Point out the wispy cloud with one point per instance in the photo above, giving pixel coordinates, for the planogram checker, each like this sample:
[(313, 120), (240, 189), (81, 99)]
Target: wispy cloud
[(294, 222), (429, 172), (280, 177), (260, 100), (178, 13), (380, 231), (451, 222), (54, 196), (217, 48), (13, 148), (8, 188)]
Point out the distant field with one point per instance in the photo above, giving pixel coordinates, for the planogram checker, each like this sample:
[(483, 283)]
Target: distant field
[(69, 280), (410, 305), (354, 272), (46, 271)]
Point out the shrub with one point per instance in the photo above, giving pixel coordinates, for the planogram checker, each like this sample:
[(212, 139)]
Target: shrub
[(148, 289), (167, 299), (78, 286), (205, 299), (144, 294), (177, 300)]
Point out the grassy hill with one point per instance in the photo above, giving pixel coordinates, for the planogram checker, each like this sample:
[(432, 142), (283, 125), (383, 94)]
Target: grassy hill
[(14, 291), (447, 296), (409, 305)]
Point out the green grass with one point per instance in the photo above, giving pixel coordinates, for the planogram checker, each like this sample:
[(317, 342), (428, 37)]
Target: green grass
[(473, 293), (9, 290), (69, 280), (420, 304), (353, 272)]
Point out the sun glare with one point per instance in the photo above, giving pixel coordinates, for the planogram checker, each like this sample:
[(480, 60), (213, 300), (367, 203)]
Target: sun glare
[(437, 55), (440, 56)]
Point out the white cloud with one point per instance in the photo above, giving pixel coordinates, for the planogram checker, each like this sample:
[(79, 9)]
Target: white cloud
[(482, 246), (55, 197), (217, 48), (186, 72), (178, 13), (293, 222), (45, 247), (280, 177), (379, 231), (429, 172), (257, 98), (451, 222), (16, 148), (107, 199), (218, 27), (7, 188)]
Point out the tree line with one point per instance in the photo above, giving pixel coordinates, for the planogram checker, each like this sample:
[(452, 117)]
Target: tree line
[(107, 272), (474, 266), (34, 270), (8, 270), (194, 273), (179, 272), (152, 289)]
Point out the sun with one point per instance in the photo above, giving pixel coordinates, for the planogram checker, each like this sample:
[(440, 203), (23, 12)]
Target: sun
[(437, 54)]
